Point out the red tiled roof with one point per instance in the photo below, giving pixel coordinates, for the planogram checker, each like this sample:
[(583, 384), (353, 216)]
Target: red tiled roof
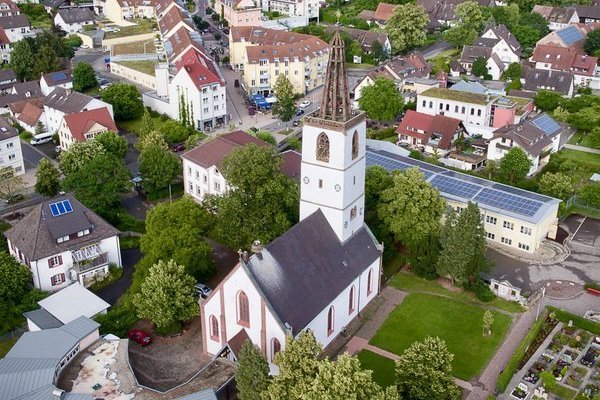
[(31, 113), (172, 18), (180, 42), (80, 123), (564, 59), (18, 106), (430, 124), (290, 164), (199, 67), (3, 38), (384, 11)]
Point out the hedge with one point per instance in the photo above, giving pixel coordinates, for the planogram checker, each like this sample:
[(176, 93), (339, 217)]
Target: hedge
[(578, 322)]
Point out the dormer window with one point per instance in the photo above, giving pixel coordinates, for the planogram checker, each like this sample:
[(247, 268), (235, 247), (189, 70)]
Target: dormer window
[(83, 233), (62, 239)]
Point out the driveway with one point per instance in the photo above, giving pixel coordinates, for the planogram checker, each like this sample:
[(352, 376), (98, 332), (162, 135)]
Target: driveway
[(112, 293), (581, 266)]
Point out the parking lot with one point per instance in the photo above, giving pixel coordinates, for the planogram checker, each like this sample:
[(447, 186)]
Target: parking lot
[(586, 234)]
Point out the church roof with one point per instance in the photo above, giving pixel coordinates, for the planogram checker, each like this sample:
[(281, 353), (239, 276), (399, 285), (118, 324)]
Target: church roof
[(305, 269)]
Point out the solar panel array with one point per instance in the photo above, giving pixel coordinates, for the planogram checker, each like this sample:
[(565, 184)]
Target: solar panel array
[(508, 202), (570, 35), (61, 207), (466, 187), (546, 124), (59, 76)]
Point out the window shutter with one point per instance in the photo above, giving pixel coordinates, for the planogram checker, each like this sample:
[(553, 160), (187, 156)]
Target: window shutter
[(62, 278), (53, 280), (59, 260), (50, 263)]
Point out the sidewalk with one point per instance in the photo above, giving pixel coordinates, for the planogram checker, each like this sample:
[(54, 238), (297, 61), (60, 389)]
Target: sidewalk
[(582, 148)]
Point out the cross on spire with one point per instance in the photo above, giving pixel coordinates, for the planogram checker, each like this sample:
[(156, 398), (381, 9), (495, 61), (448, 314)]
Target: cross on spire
[(335, 104)]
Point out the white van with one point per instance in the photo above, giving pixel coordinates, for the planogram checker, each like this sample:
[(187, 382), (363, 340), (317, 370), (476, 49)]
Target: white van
[(41, 138)]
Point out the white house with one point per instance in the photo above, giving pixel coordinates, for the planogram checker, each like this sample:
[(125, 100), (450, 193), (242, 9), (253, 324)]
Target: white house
[(62, 102), (307, 9), (52, 80), (10, 148), (73, 20), (61, 241), (322, 272), (65, 306), (557, 17), (16, 27), (498, 46), (85, 125)]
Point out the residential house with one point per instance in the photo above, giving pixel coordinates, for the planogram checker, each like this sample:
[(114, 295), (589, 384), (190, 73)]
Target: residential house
[(366, 39), (29, 113), (19, 91), (65, 306), (53, 80), (588, 14), (480, 113), (164, 6), (335, 286), (7, 80), (262, 54), (73, 20), (382, 13), (118, 10), (240, 12), (557, 17), (571, 37), (12, 29), (85, 125), (584, 68), (431, 134), (51, 5), (412, 65), (545, 79), (61, 242), (202, 165), (308, 10), (10, 148), (180, 42), (173, 20), (31, 368), (412, 87), (9, 8), (441, 12), (62, 102), (538, 137)]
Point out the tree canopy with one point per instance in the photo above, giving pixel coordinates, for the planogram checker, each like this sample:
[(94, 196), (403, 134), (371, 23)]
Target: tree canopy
[(159, 168), (591, 194), (125, 99), (112, 143), (515, 165), (470, 15), (547, 100), (32, 57), (592, 43), (371, 100), (167, 296), (252, 375), (176, 231), (79, 154), (557, 185), (407, 27), (11, 185), (480, 68), (84, 77), (285, 106), (15, 279), (47, 182)]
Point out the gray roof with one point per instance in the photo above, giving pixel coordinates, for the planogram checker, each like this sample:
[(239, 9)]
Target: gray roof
[(7, 75), (76, 15), (27, 371), (43, 319), (470, 87), (207, 394), (35, 235), (67, 101), (13, 21), (538, 79), (471, 53), (6, 130), (309, 262), (54, 3)]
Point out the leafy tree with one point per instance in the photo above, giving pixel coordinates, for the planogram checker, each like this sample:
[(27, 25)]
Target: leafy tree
[(125, 99), (585, 119), (460, 35), (377, 51), (252, 375), (411, 208), (488, 321), (98, 183), (194, 140), (269, 198), (407, 27), (14, 284), (377, 179), (526, 35), (524, 5), (580, 102), (79, 155), (424, 372), (370, 100), (424, 255), (146, 124), (285, 107), (513, 72), (39, 128), (175, 132), (592, 43), (166, 295), (480, 68), (11, 185), (112, 143), (84, 77), (470, 15), (508, 16), (47, 181), (591, 194), (152, 139), (459, 262), (23, 59), (547, 100), (556, 185), (158, 167), (515, 165), (176, 231), (267, 137)]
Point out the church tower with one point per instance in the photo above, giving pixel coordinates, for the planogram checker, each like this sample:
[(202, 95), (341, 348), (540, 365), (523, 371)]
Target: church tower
[(333, 153)]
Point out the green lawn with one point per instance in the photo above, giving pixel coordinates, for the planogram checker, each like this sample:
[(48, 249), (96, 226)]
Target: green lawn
[(582, 157), (6, 345), (143, 66), (413, 284), (583, 139), (563, 392), (458, 324), (383, 368), (142, 26)]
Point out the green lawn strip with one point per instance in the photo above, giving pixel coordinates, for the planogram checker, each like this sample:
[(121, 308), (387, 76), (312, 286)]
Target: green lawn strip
[(6, 345), (583, 139), (590, 159), (578, 322), (562, 392), (413, 284), (383, 368), (134, 125), (458, 324)]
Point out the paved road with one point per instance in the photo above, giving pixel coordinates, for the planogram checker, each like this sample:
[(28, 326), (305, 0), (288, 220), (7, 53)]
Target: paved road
[(31, 155), (582, 148), (112, 293), (438, 47)]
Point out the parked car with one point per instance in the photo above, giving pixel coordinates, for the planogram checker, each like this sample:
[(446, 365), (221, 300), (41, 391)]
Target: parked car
[(139, 336), (296, 123), (202, 290), (84, 46), (299, 112), (179, 147), (41, 138), (305, 104)]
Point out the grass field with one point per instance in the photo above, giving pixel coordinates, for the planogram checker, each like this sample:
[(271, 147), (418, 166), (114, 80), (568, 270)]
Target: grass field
[(143, 66), (141, 47), (582, 139), (582, 157), (142, 26), (383, 368), (458, 324), (6, 345)]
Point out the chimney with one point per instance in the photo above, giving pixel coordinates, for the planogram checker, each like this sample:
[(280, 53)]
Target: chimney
[(57, 394)]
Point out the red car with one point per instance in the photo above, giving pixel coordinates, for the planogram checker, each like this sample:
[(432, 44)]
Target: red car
[(139, 336)]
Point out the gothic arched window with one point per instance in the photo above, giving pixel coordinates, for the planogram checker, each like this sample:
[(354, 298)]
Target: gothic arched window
[(351, 301), (214, 328), (243, 310), (330, 321), (355, 145), (323, 147), (275, 348)]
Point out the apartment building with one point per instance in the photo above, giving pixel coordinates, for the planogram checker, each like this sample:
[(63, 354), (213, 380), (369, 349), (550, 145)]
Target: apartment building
[(240, 12), (307, 9), (118, 10), (586, 72), (63, 102), (10, 148), (262, 54), (557, 17), (13, 28), (85, 125)]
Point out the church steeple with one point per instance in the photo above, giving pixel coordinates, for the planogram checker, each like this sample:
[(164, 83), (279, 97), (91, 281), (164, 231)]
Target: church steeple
[(335, 104)]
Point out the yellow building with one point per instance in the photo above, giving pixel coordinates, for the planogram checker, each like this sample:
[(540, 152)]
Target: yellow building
[(262, 54)]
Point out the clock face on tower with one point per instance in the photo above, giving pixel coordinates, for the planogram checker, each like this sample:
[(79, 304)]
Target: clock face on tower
[(306, 180), (338, 188)]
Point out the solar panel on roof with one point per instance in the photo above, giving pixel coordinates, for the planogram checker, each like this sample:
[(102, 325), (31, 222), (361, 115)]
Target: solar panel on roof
[(546, 124), (508, 202), (455, 187), (391, 164), (60, 207), (59, 76), (570, 35), (468, 178), (521, 192)]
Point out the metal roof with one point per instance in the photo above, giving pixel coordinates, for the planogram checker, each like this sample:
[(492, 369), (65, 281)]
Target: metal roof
[(43, 319), (72, 302), (207, 394), (488, 195)]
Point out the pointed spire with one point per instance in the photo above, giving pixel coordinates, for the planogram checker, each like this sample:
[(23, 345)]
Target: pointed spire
[(335, 104)]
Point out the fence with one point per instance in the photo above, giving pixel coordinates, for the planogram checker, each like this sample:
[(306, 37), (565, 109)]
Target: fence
[(577, 205)]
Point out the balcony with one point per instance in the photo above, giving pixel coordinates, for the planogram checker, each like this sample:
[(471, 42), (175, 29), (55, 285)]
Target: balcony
[(91, 263)]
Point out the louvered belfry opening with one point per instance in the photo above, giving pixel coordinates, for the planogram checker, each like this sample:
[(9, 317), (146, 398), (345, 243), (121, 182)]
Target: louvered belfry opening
[(335, 104)]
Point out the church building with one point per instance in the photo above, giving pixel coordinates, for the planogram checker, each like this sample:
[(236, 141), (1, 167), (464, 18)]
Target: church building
[(322, 272)]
